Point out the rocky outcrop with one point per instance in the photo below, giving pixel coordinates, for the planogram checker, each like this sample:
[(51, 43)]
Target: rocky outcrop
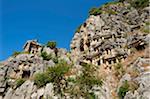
[(25, 66), (29, 91), (110, 36), (143, 80), (109, 59)]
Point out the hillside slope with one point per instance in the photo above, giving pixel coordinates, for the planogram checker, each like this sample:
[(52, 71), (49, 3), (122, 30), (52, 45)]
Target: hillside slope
[(109, 59)]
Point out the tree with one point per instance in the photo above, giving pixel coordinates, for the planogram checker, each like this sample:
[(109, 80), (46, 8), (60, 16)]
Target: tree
[(51, 44)]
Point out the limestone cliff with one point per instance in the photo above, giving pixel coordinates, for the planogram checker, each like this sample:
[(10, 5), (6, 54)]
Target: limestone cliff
[(109, 59)]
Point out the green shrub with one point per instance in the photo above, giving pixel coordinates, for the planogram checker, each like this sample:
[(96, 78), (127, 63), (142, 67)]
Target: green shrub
[(51, 44), (146, 31), (123, 89), (147, 23), (85, 82), (46, 56), (16, 53), (71, 80), (90, 96), (55, 60), (121, 0), (19, 82), (88, 78), (89, 81), (140, 3), (41, 79), (57, 72), (95, 11), (111, 12), (52, 74), (78, 29), (110, 3), (119, 71)]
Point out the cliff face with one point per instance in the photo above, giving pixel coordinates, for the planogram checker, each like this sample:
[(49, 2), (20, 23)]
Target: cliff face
[(109, 59), (113, 33)]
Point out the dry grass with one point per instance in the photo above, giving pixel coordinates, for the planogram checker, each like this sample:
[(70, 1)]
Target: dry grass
[(131, 58)]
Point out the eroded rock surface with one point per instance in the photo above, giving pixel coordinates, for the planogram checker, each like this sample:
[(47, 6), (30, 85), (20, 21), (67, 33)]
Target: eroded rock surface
[(114, 41)]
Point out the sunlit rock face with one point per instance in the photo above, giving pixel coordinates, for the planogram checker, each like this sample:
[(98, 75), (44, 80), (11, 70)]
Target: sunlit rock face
[(116, 35), (114, 40), (109, 38)]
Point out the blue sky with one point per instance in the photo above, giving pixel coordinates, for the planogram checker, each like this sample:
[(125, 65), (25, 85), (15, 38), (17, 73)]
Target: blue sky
[(45, 20)]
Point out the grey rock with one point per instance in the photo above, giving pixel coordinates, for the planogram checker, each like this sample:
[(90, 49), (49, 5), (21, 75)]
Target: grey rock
[(40, 93), (24, 91), (34, 95), (48, 92), (9, 94)]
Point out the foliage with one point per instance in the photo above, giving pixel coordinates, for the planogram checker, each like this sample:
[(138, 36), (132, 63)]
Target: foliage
[(111, 12), (90, 96), (41, 79), (133, 86), (88, 77), (146, 30), (55, 60), (140, 3), (89, 81), (46, 56), (121, 0), (147, 23), (53, 74), (123, 89), (95, 11), (71, 80), (119, 71), (51, 44), (134, 72), (19, 82), (86, 81), (137, 3), (17, 53), (78, 29), (57, 72), (110, 3)]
